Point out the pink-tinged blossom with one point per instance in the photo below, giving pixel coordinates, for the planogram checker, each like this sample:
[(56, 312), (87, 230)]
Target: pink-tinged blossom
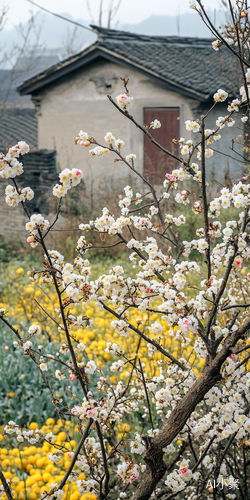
[(92, 413), (124, 101), (184, 470)]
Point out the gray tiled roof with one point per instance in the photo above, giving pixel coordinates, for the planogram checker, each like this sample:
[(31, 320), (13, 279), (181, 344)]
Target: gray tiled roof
[(187, 65), (18, 125)]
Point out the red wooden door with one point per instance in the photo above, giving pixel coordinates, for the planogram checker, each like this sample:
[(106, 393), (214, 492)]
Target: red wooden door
[(157, 163)]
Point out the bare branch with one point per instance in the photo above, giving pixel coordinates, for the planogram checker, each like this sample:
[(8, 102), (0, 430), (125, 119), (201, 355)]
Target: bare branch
[(78, 449), (60, 17), (146, 393), (143, 336), (6, 486)]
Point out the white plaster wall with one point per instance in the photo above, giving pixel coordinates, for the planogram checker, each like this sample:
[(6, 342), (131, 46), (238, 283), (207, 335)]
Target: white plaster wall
[(76, 103), (224, 159)]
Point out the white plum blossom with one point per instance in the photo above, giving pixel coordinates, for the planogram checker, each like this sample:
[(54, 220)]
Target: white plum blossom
[(82, 138), (90, 367), (121, 327), (34, 329), (117, 366), (155, 124), (37, 223), (99, 151), (69, 178), (130, 158), (43, 367), (192, 126), (124, 101), (59, 375), (220, 96)]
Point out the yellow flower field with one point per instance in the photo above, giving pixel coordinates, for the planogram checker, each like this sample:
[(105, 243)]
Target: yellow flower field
[(30, 470), (28, 467), (24, 307)]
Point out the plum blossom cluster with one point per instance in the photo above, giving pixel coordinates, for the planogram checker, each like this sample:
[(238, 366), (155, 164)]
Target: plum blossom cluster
[(181, 174), (68, 178), (238, 197), (169, 218), (10, 167), (113, 142), (36, 224), (14, 196), (82, 139), (192, 126), (105, 411), (129, 472), (31, 436), (99, 151), (124, 101), (182, 197), (108, 224), (222, 120), (177, 479), (220, 95)]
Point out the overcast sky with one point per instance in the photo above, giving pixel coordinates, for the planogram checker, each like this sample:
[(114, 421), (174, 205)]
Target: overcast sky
[(130, 11)]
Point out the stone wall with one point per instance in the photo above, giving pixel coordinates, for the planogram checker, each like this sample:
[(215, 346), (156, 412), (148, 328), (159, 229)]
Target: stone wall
[(40, 173)]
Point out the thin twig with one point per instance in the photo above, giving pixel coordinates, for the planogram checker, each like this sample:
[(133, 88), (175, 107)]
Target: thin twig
[(56, 217), (60, 17), (51, 317), (74, 458), (203, 454), (142, 335), (146, 393), (105, 463), (235, 305), (131, 373), (204, 197)]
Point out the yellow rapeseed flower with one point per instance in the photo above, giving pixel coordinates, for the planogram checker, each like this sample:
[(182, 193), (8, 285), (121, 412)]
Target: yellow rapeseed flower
[(19, 270), (50, 421), (62, 436), (33, 426)]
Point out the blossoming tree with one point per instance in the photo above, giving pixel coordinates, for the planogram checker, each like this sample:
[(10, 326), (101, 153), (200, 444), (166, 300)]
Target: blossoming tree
[(198, 424)]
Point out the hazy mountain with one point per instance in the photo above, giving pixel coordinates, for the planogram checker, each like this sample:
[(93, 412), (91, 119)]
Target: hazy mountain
[(58, 34), (52, 33), (188, 24)]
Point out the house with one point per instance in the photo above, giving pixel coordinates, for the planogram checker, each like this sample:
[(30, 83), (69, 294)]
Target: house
[(18, 121), (172, 79)]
